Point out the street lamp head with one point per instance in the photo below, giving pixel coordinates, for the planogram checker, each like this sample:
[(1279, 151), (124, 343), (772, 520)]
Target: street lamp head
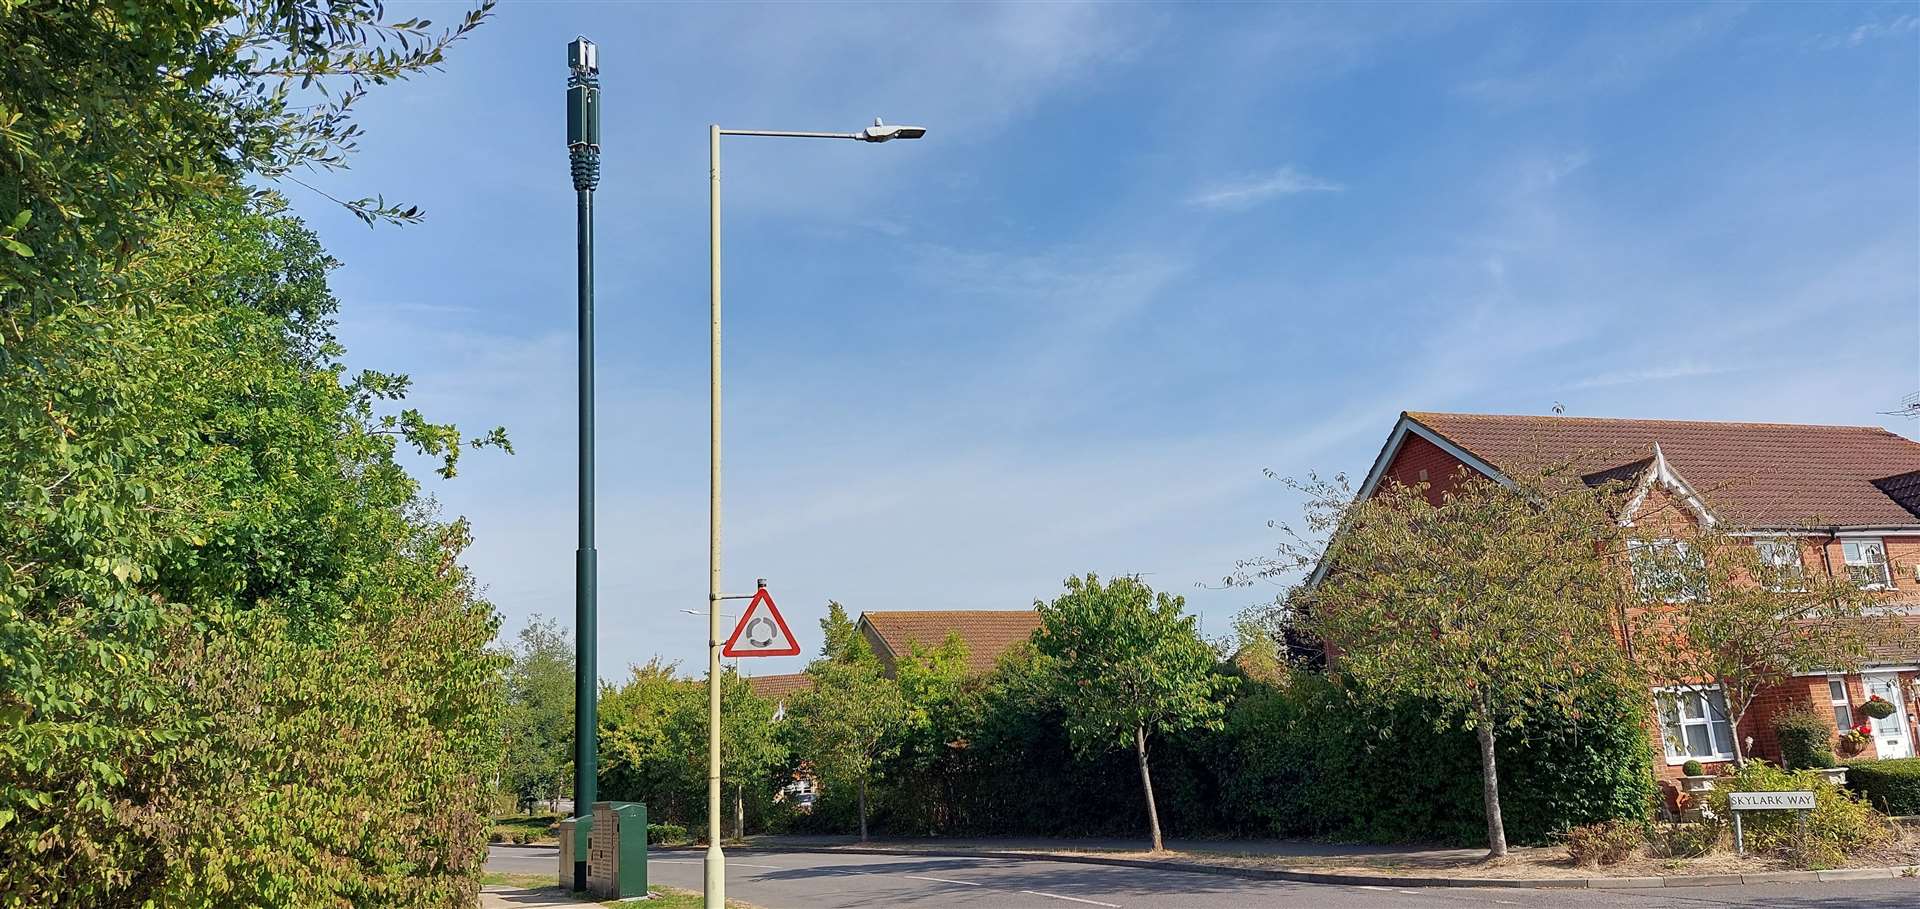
[(881, 132)]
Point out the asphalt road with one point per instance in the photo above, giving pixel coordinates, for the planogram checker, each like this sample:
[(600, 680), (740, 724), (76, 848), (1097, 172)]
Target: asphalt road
[(798, 880)]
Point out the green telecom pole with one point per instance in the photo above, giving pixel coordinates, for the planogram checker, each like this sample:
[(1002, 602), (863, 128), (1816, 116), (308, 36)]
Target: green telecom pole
[(583, 151)]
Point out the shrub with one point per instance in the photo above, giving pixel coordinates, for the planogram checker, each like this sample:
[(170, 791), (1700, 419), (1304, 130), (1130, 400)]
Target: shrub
[(1308, 756), (1839, 823), (1893, 786), (1693, 768), (1605, 843), (1685, 840), (1805, 738), (666, 834)]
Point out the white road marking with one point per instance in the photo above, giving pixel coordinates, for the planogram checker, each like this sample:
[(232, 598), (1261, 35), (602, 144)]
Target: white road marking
[(1374, 887), (1074, 899), (729, 864), (943, 880)]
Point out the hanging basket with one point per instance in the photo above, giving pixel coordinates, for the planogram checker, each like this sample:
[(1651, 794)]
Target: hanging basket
[(1877, 707)]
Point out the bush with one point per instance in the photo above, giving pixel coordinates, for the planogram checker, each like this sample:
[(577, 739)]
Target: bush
[(1806, 738), (1309, 757), (666, 834), (1686, 840), (1893, 786), (1839, 823), (1605, 843), (1693, 768)]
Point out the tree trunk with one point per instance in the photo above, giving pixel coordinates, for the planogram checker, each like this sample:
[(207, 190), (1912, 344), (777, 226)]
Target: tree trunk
[(1733, 726), (1490, 790), (739, 813), (863, 809), (1146, 784)]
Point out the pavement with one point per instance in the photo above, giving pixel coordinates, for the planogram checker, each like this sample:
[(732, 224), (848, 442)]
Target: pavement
[(777, 878)]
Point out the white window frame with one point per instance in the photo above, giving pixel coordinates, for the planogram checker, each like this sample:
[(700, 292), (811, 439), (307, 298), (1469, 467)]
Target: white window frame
[(1843, 702), (1861, 546), (1640, 586), (1674, 746), (1782, 556)]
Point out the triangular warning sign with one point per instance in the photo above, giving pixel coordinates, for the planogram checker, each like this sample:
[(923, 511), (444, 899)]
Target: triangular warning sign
[(761, 632)]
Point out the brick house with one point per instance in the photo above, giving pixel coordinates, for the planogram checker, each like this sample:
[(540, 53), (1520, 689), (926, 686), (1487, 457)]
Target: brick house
[(1858, 485), (988, 633)]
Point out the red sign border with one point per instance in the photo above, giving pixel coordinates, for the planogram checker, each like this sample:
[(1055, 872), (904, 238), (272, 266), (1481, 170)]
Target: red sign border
[(758, 597)]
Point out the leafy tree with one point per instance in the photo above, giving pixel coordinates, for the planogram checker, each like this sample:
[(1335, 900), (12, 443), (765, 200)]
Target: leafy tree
[(1129, 664), (243, 665), (114, 112), (1726, 615), (749, 746), (642, 757), (539, 718), (1493, 602), (849, 722)]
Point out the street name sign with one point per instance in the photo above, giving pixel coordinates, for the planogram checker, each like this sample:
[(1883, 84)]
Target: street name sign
[(762, 631), (1801, 800)]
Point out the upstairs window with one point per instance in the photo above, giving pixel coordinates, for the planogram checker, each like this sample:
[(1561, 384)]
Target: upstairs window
[(1780, 565), (1867, 563), (1664, 570)]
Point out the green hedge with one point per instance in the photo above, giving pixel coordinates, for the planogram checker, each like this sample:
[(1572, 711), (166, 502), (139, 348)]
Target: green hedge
[(1313, 758), (1893, 786), (1303, 756)]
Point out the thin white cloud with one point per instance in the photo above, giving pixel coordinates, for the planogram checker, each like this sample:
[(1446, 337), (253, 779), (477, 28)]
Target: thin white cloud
[(1653, 374), (1869, 31), (1248, 192)]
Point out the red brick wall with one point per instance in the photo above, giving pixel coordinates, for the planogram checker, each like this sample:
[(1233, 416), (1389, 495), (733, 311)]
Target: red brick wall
[(1421, 461)]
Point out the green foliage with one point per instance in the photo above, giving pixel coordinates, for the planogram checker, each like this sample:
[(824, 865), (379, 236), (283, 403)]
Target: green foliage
[(653, 743), (1306, 756), (1126, 658), (1491, 602), (667, 835), (1806, 738), (1684, 840), (1605, 843), (113, 113), (1128, 664), (849, 723), (1840, 822), (243, 665), (539, 716), (1693, 768), (1893, 786)]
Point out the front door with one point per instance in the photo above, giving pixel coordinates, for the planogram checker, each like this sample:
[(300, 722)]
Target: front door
[(1890, 739)]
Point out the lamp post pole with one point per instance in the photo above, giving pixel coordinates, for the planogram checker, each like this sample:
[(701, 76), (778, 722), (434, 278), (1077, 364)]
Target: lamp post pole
[(583, 152), (716, 860)]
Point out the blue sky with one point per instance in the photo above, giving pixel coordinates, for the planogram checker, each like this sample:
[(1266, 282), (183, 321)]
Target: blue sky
[(1144, 252)]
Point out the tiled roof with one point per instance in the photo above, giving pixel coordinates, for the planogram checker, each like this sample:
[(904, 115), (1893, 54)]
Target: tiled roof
[(778, 688), (1901, 644), (1751, 474), (988, 633)]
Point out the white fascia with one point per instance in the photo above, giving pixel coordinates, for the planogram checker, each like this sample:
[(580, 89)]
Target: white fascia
[(1397, 439)]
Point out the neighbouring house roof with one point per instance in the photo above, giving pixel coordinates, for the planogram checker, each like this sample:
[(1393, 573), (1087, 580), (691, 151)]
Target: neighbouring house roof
[(780, 688), (1769, 475), (988, 633)]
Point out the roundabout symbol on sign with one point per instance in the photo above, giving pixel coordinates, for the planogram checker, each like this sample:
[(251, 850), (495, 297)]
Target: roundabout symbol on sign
[(761, 632)]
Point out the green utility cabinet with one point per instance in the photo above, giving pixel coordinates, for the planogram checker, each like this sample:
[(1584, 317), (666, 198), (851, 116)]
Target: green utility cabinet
[(617, 850)]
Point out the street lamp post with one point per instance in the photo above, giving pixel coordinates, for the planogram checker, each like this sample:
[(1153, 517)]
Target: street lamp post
[(583, 153), (716, 863)]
